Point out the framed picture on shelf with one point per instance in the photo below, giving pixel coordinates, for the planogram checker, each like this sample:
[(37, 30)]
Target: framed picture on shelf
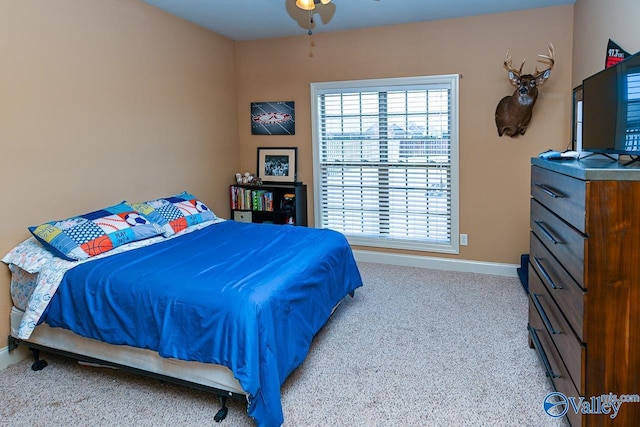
[(277, 165)]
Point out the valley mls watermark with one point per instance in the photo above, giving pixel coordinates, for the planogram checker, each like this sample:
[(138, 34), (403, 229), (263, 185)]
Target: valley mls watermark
[(556, 404)]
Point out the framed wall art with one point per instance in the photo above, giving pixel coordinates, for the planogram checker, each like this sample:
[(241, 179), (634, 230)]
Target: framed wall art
[(273, 118), (277, 165)]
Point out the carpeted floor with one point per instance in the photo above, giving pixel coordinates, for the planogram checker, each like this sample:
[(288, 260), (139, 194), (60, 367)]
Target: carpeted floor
[(415, 347)]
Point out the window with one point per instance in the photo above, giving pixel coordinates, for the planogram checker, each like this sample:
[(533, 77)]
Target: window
[(386, 161)]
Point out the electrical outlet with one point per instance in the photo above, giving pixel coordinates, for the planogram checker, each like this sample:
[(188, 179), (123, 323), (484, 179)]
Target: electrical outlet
[(464, 240)]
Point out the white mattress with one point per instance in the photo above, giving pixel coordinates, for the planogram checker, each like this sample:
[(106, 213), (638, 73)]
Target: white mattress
[(209, 375)]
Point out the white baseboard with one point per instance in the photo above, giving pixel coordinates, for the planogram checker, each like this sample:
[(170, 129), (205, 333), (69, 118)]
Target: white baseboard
[(14, 356), (436, 263)]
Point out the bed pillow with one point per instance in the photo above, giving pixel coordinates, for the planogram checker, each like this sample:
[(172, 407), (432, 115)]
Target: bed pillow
[(83, 236), (175, 213), (29, 255)]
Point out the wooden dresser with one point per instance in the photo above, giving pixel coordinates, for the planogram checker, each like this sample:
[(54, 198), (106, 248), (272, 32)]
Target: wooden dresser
[(584, 284)]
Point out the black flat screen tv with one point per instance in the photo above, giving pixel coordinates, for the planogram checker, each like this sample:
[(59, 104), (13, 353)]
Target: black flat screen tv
[(611, 109)]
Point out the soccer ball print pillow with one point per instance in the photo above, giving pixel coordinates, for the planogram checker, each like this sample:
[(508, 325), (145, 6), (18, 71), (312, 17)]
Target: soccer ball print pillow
[(83, 236)]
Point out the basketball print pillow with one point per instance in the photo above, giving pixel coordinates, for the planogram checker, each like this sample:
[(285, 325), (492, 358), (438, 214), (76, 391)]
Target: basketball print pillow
[(94, 233)]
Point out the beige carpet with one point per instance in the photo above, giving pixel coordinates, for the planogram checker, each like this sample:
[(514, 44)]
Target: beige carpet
[(415, 347)]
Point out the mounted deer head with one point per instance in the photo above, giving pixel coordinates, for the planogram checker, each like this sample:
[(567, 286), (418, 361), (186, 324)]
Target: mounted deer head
[(513, 113)]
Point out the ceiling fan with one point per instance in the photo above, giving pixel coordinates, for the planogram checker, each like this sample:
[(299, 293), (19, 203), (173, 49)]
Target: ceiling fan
[(310, 5), (326, 12)]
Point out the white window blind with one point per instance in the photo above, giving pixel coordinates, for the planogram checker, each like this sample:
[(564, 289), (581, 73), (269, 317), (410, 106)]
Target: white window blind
[(385, 161)]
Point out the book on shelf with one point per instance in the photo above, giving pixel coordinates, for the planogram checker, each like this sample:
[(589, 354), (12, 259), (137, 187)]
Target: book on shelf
[(241, 198), (262, 200), (249, 199)]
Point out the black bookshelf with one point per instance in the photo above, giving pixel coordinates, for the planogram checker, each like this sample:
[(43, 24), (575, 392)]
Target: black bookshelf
[(277, 204)]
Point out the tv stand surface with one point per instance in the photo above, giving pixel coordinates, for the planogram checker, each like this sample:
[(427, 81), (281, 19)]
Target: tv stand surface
[(633, 160), (592, 169), (609, 156), (614, 157)]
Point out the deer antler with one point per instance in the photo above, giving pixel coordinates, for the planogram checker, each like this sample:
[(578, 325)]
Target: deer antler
[(509, 67), (551, 58)]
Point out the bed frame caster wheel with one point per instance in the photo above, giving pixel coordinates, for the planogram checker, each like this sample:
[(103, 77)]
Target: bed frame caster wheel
[(222, 413), (38, 364)]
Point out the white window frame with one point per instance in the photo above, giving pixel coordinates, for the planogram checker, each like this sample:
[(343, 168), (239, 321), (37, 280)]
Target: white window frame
[(452, 81)]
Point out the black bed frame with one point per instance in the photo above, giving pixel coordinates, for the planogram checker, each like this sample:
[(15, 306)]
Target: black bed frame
[(40, 364)]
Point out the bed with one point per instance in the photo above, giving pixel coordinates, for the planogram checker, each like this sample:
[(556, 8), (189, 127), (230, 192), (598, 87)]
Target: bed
[(226, 306)]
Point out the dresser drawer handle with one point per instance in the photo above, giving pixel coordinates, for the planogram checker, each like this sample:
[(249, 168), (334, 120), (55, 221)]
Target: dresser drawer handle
[(547, 233), (538, 345), (549, 191), (543, 314), (545, 274)]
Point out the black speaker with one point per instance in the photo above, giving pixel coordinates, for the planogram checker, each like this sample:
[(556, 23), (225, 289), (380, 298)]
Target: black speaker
[(523, 272)]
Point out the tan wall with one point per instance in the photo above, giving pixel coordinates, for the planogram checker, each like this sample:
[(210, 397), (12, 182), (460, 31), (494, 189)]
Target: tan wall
[(105, 100), (494, 178), (596, 22)]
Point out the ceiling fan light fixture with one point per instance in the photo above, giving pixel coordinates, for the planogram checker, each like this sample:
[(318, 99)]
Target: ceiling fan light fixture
[(310, 4), (306, 4)]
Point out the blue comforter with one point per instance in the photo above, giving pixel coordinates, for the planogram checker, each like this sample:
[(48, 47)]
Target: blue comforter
[(247, 296)]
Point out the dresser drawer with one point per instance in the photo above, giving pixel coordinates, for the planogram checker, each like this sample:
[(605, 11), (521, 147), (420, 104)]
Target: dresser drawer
[(563, 241), (563, 289), (540, 340), (571, 350), (562, 194)]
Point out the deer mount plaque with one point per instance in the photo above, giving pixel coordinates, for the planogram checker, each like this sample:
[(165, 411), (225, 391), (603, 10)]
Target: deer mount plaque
[(514, 111)]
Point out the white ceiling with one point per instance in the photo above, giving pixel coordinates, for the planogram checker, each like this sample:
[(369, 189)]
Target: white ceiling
[(260, 19)]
